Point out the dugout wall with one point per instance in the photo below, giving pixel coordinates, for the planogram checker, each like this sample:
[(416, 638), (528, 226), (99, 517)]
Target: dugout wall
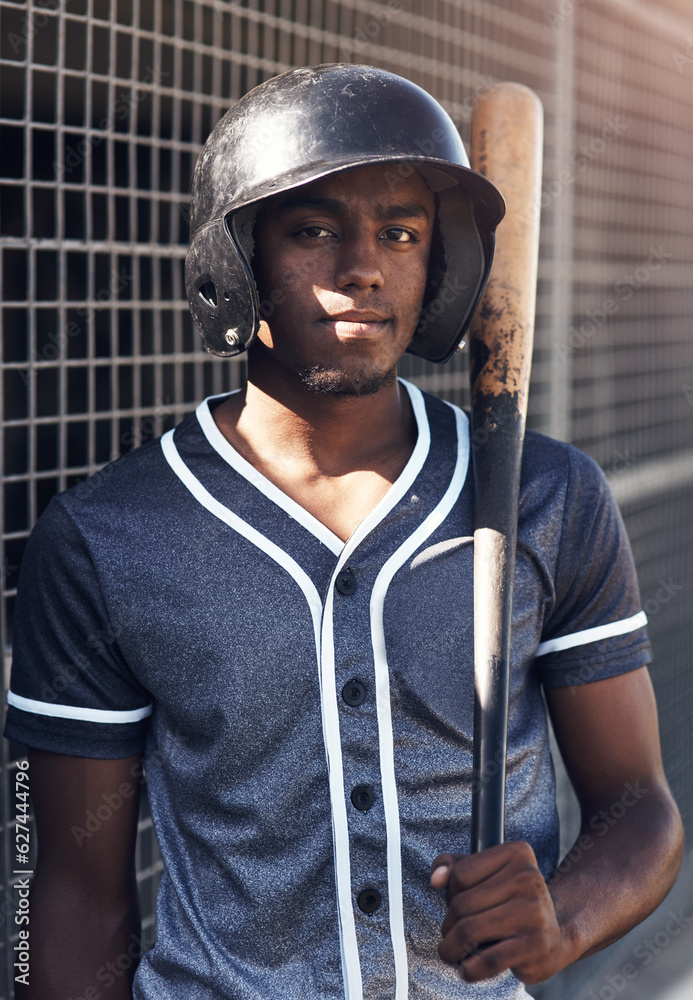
[(103, 107)]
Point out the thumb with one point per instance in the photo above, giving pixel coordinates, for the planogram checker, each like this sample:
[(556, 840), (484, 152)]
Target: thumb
[(440, 870)]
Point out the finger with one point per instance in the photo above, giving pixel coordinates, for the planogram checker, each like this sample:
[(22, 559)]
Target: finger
[(529, 959), (440, 869), (524, 887), (463, 937), (473, 903), (445, 859), (530, 920), (439, 876), (492, 960), (473, 869)]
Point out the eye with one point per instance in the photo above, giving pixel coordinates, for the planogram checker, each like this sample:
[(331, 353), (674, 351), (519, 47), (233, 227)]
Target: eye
[(398, 235), (315, 232)]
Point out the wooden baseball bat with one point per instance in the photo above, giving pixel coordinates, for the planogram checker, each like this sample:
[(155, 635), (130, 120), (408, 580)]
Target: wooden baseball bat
[(507, 132)]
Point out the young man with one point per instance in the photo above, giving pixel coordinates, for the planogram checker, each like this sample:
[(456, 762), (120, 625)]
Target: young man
[(277, 598)]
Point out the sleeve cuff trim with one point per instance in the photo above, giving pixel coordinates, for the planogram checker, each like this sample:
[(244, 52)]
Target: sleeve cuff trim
[(592, 634), (74, 712)]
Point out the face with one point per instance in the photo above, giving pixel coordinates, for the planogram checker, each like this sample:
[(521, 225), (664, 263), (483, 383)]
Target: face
[(341, 266)]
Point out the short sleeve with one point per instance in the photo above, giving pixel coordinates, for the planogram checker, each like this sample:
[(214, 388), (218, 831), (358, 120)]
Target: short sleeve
[(596, 628), (71, 691)]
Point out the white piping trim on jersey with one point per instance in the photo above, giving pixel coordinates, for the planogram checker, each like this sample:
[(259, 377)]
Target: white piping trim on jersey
[(592, 634), (382, 684), (228, 453), (404, 481), (233, 458), (351, 968), (353, 986), (75, 712)]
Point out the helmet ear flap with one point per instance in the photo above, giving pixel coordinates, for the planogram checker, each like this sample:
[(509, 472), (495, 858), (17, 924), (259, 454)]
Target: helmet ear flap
[(221, 291), (459, 281)]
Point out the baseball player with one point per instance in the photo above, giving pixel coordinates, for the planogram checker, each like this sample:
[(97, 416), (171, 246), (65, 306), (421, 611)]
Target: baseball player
[(271, 608)]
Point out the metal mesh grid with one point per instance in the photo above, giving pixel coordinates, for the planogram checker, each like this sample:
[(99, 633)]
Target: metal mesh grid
[(633, 251), (666, 582), (103, 107)]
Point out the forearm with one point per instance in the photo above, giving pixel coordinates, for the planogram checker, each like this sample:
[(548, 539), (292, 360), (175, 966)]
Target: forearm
[(80, 946), (621, 867)]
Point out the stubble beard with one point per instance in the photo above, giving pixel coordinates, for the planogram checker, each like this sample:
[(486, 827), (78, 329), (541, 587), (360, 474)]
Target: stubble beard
[(340, 385)]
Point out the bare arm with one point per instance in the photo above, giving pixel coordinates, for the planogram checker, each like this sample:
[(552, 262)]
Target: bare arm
[(84, 909), (625, 860), (631, 842)]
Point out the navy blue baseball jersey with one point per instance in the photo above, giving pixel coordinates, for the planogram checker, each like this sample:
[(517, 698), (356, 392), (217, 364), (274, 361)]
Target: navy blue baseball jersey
[(305, 705)]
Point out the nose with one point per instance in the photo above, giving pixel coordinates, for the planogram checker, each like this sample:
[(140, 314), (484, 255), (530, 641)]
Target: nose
[(358, 263)]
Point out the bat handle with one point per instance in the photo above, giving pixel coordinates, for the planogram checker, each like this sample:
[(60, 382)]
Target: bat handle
[(497, 477), (490, 749)]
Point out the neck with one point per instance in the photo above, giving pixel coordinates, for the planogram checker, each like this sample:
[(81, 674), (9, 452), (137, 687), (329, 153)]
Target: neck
[(329, 434), (335, 457)]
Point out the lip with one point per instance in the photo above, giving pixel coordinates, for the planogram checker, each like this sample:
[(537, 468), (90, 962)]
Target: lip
[(357, 316), (355, 324)]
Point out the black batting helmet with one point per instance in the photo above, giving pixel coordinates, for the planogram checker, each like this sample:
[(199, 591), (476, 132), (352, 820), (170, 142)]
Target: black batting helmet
[(312, 122)]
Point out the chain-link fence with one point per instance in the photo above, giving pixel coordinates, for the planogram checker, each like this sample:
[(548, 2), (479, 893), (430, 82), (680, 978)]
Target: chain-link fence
[(103, 107)]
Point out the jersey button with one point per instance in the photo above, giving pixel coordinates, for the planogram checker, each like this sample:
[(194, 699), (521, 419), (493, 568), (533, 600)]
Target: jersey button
[(362, 797), (369, 900), (346, 582), (354, 692)]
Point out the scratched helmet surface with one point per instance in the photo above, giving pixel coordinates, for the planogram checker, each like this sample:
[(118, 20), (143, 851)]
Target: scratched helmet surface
[(312, 122)]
